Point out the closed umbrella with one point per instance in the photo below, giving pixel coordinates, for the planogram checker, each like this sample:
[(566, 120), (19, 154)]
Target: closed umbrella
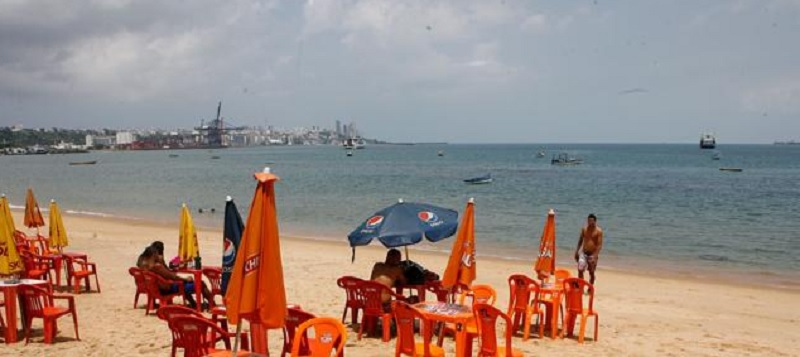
[(187, 237), (232, 235), (546, 261), (58, 235), (33, 216), (5, 212), (256, 289), (461, 268), (10, 262)]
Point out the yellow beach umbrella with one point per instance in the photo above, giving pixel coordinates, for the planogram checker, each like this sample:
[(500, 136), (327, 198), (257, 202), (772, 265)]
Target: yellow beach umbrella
[(5, 213), (33, 216), (187, 238), (10, 262), (58, 235)]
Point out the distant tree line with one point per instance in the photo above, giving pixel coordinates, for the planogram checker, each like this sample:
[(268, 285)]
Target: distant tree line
[(30, 137)]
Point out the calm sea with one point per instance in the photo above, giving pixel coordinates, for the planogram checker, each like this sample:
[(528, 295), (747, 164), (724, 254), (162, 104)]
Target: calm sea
[(664, 208)]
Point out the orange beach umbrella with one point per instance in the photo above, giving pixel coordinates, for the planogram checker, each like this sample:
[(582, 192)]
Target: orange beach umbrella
[(461, 267), (33, 216), (5, 213), (10, 262), (546, 262), (256, 289), (58, 235), (187, 236)]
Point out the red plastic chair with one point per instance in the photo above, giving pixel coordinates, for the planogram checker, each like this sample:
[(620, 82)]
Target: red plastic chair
[(523, 303), (294, 318), (353, 299), (78, 269), (141, 288), (486, 317), (152, 281), (35, 267), (167, 313), (214, 276), (2, 323), (404, 316), (329, 338), (372, 293), (38, 303), (443, 294), (574, 289), (197, 335)]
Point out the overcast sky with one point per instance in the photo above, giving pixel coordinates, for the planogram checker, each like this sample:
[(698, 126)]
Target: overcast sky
[(428, 70)]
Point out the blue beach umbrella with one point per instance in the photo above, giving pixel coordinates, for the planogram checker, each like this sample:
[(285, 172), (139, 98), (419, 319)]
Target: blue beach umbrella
[(232, 235), (405, 223)]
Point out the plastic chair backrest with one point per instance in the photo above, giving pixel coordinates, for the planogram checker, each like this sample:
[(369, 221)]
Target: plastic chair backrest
[(562, 274), (35, 298), (329, 337), (486, 317), (294, 318), (194, 334), (573, 293), (214, 276), (520, 287), (168, 312), (351, 285), (152, 281), (138, 277), (372, 294), (478, 294), (404, 316)]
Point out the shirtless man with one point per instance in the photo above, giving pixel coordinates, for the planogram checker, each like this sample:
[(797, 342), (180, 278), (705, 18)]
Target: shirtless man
[(389, 272), (591, 240)]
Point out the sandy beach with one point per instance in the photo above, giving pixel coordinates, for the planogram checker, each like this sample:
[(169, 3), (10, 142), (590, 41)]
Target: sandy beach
[(639, 315)]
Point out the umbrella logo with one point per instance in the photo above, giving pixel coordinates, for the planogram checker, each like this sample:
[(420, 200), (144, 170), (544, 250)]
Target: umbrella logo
[(428, 217), (374, 221), (228, 252)]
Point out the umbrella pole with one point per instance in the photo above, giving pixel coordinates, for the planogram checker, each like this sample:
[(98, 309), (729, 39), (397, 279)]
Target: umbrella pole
[(238, 337), (406, 247)]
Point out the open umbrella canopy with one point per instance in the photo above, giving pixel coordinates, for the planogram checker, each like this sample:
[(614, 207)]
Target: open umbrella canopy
[(461, 267), (10, 262), (33, 216), (58, 235), (187, 236), (5, 213), (546, 261), (405, 223)]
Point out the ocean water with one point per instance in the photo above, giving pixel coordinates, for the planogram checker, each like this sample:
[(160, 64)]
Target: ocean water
[(664, 208)]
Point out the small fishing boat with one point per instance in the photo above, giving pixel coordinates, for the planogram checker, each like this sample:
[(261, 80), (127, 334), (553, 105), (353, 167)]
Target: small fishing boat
[(83, 162), (479, 180), (349, 152), (716, 156), (730, 169), (565, 159), (440, 153), (540, 154), (173, 155), (214, 157)]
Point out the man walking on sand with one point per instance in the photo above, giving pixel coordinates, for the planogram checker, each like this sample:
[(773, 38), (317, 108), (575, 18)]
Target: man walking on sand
[(591, 240)]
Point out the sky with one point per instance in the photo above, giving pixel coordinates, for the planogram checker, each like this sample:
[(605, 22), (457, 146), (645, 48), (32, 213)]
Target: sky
[(460, 71)]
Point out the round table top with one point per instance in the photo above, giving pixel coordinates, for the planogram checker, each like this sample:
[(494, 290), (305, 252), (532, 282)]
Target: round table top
[(6, 283)]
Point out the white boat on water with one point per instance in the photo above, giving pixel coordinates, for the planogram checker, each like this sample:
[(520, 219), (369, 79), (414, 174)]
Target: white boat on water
[(354, 143), (565, 159), (708, 141), (479, 180)]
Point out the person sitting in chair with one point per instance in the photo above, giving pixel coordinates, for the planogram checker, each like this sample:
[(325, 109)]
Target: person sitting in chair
[(389, 272), (152, 262)]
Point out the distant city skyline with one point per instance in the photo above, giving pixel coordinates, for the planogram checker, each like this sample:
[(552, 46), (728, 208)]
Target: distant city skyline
[(472, 71)]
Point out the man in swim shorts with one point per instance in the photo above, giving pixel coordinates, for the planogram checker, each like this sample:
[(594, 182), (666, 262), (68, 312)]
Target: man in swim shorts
[(590, 243)]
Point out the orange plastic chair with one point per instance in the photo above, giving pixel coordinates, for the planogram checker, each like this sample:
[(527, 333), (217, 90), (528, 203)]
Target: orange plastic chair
[(39, 303), (477, 294), (561, 274), (2, 323), (486, 316), (404, 316), (294, 318), (141, 288), (372, 292), (574, 289), (329, 338), (353, 299), (167, 313), (214, 276), (523, 303), (85, 269), (152, 281), (197, 334)]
